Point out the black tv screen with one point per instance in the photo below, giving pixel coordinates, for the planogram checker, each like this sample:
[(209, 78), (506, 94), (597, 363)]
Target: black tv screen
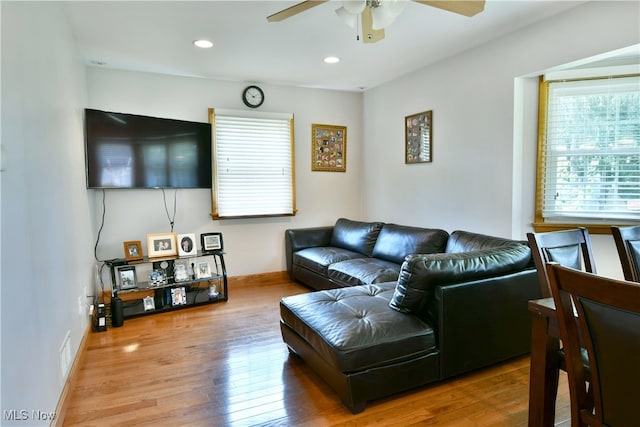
[(132, 151)]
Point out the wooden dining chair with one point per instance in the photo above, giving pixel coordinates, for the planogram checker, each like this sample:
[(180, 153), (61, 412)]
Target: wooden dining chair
[(628, 245), (608, 327), (571, 248)]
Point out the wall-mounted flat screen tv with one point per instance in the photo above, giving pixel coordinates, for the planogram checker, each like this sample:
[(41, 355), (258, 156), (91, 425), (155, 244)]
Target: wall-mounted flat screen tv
[(132, 151)]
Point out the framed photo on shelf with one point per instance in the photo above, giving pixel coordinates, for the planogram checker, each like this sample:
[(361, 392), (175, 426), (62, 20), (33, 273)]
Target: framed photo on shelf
[(161, 244), (418, 131), (178, 296), (133, 250), (181, 271), (157, 277), (211, 242), (203, 270), (127, 277), (148, 303), (328, 148), (187, 245)]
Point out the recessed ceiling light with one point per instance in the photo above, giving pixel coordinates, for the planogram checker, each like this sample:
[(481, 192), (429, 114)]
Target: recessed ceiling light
[(205, 44), (331, 59)]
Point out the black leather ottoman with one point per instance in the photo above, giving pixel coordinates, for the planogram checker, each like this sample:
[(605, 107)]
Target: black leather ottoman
[(358, 344)]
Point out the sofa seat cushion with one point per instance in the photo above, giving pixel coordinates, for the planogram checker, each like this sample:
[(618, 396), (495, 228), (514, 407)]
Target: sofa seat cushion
[(353, 329), (319, 258), (395, 242), (363, 271)]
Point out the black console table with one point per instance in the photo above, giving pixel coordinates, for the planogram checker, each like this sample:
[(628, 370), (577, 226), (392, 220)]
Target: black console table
[(155, 285)]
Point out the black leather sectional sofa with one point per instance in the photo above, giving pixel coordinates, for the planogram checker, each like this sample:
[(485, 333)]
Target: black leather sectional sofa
[(398, 307)]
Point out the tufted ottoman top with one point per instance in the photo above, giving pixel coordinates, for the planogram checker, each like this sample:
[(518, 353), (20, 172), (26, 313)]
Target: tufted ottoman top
[(354, 328)]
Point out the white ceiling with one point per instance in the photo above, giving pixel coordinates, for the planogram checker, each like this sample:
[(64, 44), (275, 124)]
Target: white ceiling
[(157, 36)]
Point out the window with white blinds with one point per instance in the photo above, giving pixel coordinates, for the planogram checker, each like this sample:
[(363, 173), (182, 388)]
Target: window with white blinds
[(253, 164), (589, 153)]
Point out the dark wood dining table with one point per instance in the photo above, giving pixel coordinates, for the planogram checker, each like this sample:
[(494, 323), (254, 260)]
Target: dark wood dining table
[(545, 362)]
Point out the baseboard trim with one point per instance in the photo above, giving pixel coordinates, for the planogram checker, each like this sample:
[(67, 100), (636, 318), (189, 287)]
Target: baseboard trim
[(260, 278), (69, 385)]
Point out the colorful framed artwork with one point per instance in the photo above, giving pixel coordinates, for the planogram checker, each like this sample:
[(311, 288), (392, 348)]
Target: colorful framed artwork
[(161, 244), (418, 134), (328, 148)]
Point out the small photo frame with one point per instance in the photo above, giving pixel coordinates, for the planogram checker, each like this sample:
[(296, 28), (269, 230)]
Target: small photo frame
[(418, 132), (133, 250), (178, 296), (203, 270), (157, 277), (328, 148), (187, 245), (181, 271), (149, 303), (127, 277), (161, 244), (211, 242)]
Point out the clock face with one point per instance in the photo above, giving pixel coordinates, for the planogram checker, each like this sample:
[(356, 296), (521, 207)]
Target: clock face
[(253, 96)]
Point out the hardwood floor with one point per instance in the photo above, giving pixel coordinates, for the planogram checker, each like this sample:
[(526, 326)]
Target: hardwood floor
[(225, 364)]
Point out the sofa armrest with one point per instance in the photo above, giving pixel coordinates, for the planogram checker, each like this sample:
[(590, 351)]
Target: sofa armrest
[(301, 238), (421, 273), (482, 322)]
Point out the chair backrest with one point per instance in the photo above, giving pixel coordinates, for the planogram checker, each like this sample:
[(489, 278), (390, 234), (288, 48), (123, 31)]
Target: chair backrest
[(571, 248), (628, 244), (608, 327)]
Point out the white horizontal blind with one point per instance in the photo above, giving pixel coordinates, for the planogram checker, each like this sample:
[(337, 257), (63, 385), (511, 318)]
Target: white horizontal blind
[(592, 150), (253, 160)]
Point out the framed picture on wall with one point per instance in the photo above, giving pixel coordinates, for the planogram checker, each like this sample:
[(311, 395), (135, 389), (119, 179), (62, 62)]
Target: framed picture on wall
[(328, 148), (418, 131)]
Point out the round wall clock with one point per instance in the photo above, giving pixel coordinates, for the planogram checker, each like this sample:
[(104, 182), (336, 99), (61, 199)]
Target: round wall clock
[(253, 96)]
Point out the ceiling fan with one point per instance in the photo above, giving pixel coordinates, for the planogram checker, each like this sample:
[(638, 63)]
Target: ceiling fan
[(375, 15)]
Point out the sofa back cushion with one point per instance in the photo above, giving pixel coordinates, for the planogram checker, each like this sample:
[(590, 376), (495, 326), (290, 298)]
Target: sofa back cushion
[(356, 236), (395, 242), (421, 273), (465, 241)]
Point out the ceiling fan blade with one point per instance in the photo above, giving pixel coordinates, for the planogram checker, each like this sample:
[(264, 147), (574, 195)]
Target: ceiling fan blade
[(462, 7), (369, 35), (294, 10)]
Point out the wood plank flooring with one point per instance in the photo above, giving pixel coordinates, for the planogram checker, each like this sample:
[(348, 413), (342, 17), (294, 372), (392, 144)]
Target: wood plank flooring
[(225, 364)]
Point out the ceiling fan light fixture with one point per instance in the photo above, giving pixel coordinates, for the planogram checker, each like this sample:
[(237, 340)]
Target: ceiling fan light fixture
[(386, 12), (347, 17), (354, 6)]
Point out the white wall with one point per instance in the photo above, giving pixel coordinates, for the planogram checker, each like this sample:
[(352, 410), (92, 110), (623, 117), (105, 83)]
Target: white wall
[(46, 231), (483, 173), (252, 245)]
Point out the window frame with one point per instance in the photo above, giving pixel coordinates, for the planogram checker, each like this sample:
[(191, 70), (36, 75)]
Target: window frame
[(540, 224), (215, 211)]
